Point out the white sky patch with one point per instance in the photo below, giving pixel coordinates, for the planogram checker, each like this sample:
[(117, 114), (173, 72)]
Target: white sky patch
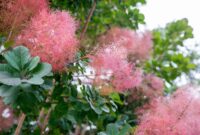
[(159, 12)]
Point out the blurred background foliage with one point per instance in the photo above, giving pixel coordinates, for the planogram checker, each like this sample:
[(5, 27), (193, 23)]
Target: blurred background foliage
[(108, 13), (168, 61)]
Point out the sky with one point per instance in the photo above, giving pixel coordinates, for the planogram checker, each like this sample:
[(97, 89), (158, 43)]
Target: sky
[(159, 12)]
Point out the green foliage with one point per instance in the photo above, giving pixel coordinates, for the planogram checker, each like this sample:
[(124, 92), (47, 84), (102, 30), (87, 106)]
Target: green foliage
[(77, 106), (115, 129), (167, 60), (21, 78), (24, 80), (108, 13)]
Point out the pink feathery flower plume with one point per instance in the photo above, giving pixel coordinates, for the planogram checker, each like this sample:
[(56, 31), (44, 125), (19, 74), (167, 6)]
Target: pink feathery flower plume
[(152, 86), (178, 114), (15, 14), (51, 36), (6, 117), (138, 45), (110, 64)]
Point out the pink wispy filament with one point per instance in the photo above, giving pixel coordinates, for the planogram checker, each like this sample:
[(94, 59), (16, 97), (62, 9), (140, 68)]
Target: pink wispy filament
[(51, 36), (178, 114), (15, 14), (112, 59), (138, 45)]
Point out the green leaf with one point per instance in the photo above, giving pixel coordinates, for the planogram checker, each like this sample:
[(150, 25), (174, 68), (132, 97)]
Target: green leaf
[(125, 129), (7, 79), (34, 62), (4, 67), (102, 133), (12, 60), (71, 118), (42, 70), (4, 89), (17, 57), (22, 54), (27, 100), (9, 94), (95, 108), (105, 108), (34, 80), (112, 129), (116, 98)]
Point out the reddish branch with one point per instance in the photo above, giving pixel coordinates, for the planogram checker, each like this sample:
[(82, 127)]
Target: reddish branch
[(20, 123), (182, 114), (46, 120), (88, 20)]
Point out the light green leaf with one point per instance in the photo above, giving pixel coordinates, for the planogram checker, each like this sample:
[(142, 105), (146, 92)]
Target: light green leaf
[(105, 108), (34, 80), (102, 133), (22, 54), (116, 98), (9, 94), (4, 89), (42, 70), (18, 57), (112, 129), (125, 130), (12, 60), (34, 62), (4, 67), (7, 79)]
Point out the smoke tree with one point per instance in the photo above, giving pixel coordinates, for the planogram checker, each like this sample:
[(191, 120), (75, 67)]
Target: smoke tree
[(83, 67)]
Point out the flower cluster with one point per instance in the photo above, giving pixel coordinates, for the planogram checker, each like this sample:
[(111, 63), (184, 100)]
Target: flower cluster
[(138, 45), (15, 14), (51, 36), (119, 50), (6, 116), (111, 61), (175, 115), (152, 86)]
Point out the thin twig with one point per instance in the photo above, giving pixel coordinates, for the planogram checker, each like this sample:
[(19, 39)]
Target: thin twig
[(20, 123), (41, 115), (10, 34), (46, 120), (88, 20), (77, 130), (181, 114)]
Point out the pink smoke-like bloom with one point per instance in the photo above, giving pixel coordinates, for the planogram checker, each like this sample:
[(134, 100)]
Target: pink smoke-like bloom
[(178, 114), (151, 89), (152, 86), (138, 45), (51, 36), (16, 14), (111, 61), (155, 82), (6, 116)]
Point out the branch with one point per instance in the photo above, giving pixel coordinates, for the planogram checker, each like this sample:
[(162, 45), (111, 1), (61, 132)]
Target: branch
[(181, 114), (88, 20), (46, 120), (20, 123)]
